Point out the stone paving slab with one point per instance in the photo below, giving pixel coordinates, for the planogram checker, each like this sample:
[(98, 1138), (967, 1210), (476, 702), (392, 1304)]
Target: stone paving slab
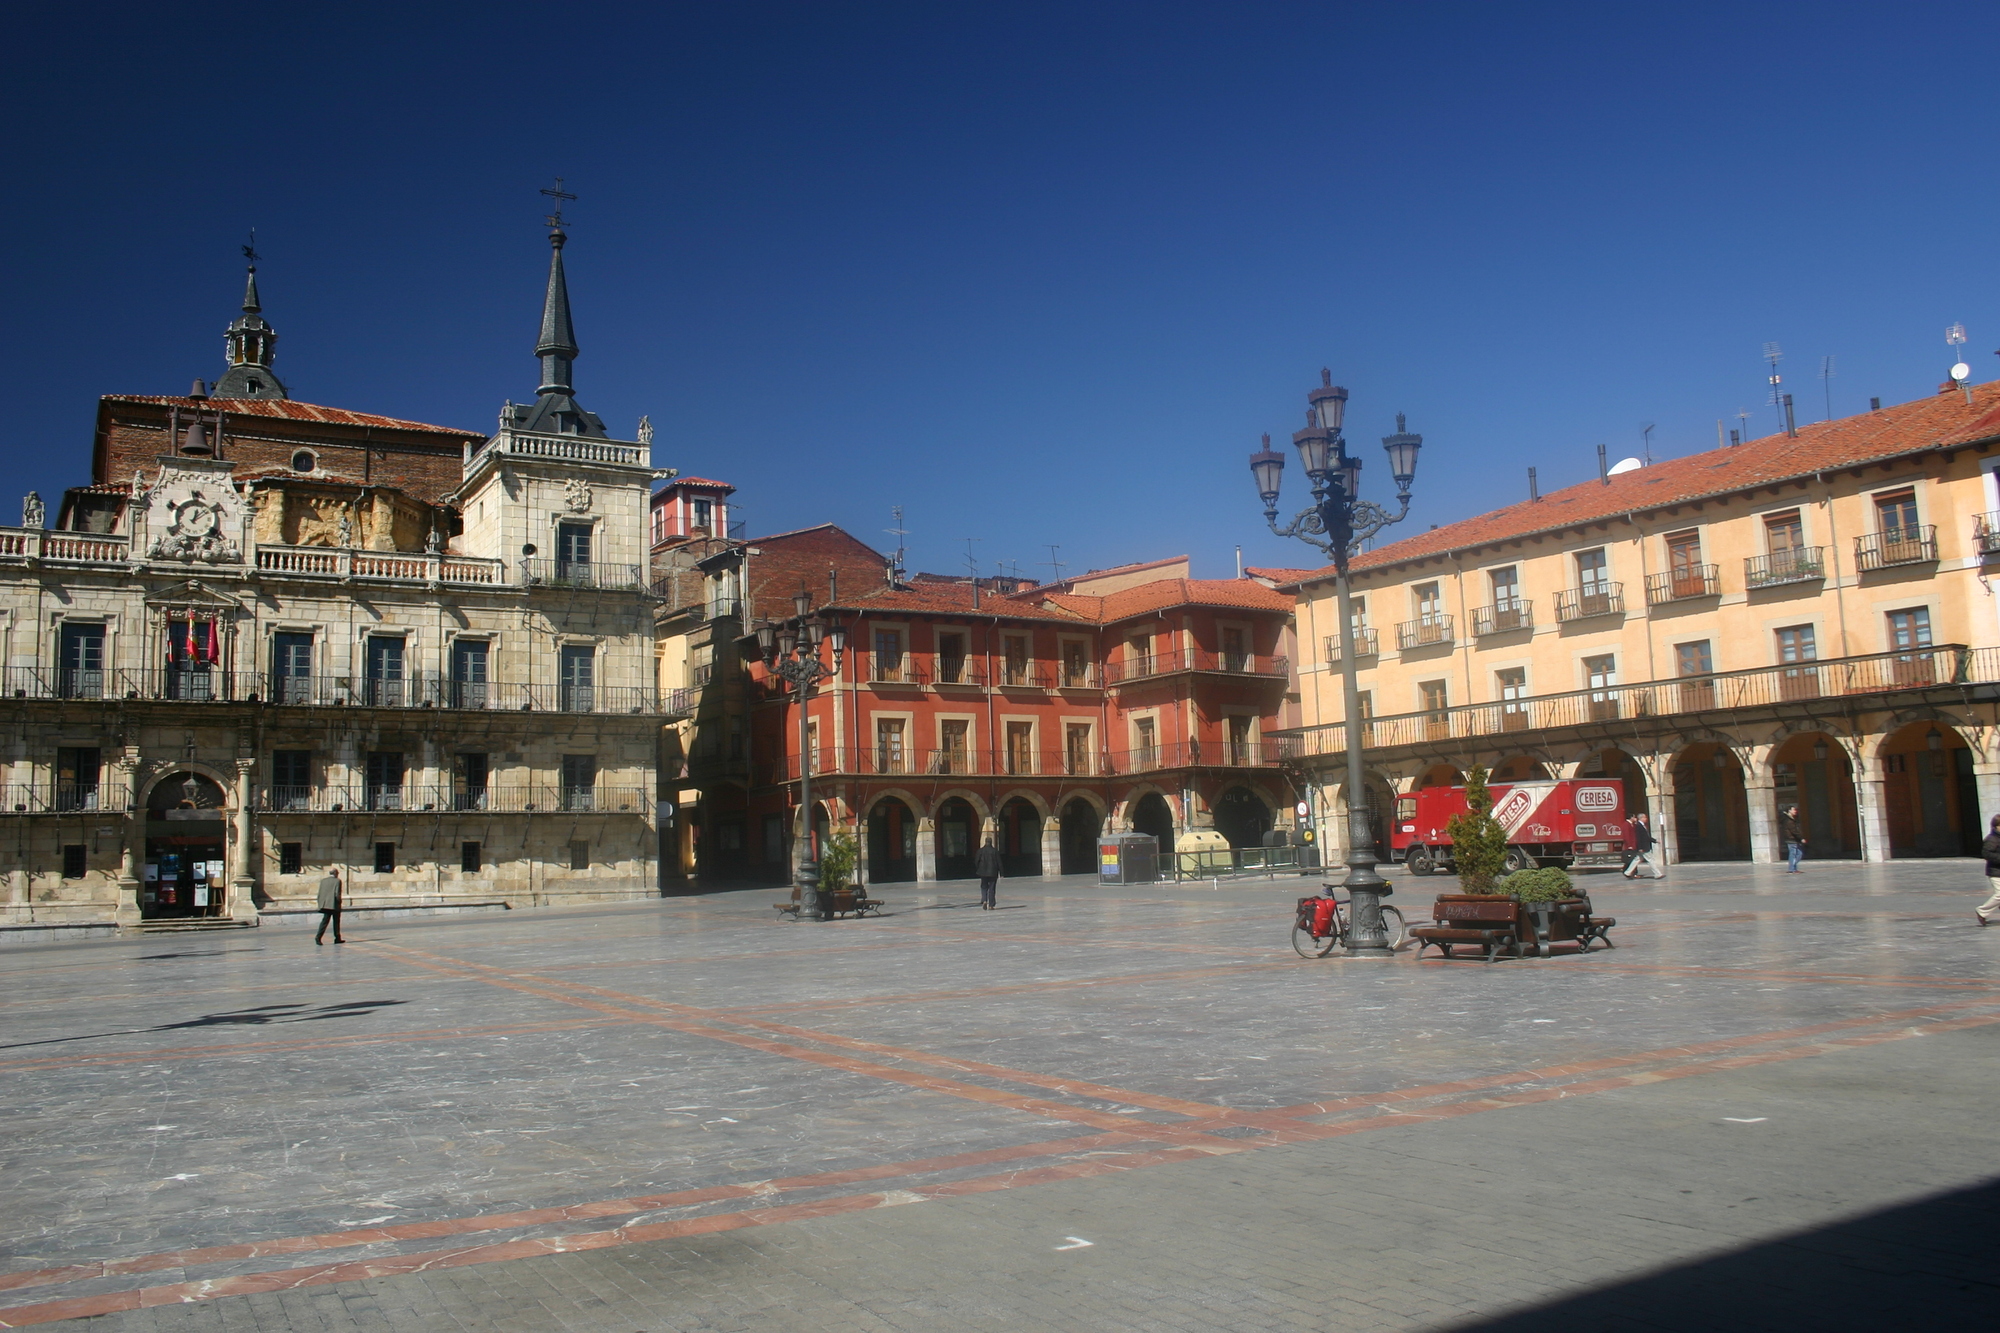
[(687, 1114)]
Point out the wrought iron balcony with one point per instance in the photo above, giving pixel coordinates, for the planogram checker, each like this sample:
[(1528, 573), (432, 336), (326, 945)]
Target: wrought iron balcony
[(1800, 564), (1366, 644), (1161, 664), (1986, 533), (1424, 631), (1687, 581), (420, 798), (1896, 546), (1511, 614), (1597, 599), (582, 574), (207, 685)]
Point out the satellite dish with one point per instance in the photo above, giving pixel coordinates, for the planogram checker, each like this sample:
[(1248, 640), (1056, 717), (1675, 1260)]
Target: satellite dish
[(1961, 372), (1625, 465)]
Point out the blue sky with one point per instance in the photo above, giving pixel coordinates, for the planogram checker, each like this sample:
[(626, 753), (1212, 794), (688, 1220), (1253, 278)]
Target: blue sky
[(1038, 273)]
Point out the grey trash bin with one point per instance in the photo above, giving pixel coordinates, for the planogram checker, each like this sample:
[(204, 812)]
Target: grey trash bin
[(1128, 858)]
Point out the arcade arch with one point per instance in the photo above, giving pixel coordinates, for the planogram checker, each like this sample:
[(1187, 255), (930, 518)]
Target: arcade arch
[(1811, 770), (1243, 817), (958, 826), (1082, 824), (1018, 831), (1711, 809), (1151, 814), (1929, 799), (892, 842)]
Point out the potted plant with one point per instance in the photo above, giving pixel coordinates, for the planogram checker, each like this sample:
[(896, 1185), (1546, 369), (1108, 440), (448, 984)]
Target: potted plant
[(839, 854), (1539, 892)]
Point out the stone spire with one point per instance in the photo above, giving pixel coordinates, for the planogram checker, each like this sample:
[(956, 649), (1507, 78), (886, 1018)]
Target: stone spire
[(251, 344), (555, 411)]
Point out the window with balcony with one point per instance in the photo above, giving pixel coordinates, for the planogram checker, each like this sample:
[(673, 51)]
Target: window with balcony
[(573, 552), (1600, 674), (1076, 749), (576, 678), (1787, 558), (704, 516), (194, 648), (1365, 644), (1432, 624), (1911, 629), (77, 775), (81, 665), (954, 746), (889, 744), (1235, 649), (1686, 575), (1242, 750), (812, 746), (1139, 656), (471, 773), (579, 781), (1513, 686), (1434, 701), (291, 668), (1020, 747), (1014, 659), (951, 659), (1075, 664), (1899, 539), (659, 524), (1796, 644), (469, 680), (1145, 743), (291, 779), (383, 770), (383, 655), (1695, 665), (1507, 611), (889, 667)]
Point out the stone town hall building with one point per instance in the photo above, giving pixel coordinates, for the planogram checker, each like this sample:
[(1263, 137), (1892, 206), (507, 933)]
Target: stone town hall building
[(271, 638)]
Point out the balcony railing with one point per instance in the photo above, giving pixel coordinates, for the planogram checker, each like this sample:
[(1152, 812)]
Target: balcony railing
[(1875, 673), (412, 567), (563, 448), (1986, 533), (208, 685), (1800, 564), (1499, 618), (1597, 599), (81, 548), (1897, 546), (1424, 631), (1677, 585), (32, 798), (582, 574), (417, 798), (968, 762), (1161, 664), (1366, 644)]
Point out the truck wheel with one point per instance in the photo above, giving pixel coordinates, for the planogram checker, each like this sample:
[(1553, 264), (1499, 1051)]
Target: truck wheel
[(1516, 860), (1420, 861)]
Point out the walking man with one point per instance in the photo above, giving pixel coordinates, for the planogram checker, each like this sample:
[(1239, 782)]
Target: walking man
[(1990, 849), (1642, 850), (986, 865), (1794, 837), (329, 908)]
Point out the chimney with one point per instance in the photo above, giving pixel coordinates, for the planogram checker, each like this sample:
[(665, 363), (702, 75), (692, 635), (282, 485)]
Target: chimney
[(1874, 404), (1603, 469), (1735, 438), (1791, 426), (1534, 488)]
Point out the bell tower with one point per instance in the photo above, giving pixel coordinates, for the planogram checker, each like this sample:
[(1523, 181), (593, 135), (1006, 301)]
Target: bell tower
[(251, 344)]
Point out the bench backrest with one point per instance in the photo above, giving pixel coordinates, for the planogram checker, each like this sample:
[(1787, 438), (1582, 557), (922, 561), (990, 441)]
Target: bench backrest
[(1498, 913)]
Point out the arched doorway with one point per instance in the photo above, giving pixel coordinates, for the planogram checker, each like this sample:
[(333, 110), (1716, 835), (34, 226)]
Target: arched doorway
[(892, 843), (1928, 795), (1081, 826), (187, 836), (1151, 814), (1711, 811), (1518, 768), (1441, 775), (1615, 763), (1811, 771), (1020, 838), (957, 838), (1242, 818)]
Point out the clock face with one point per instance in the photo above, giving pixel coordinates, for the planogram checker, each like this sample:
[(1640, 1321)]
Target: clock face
[(196, 519)]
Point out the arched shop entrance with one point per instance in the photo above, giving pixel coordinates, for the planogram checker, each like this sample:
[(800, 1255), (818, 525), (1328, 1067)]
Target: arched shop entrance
[(1020, 838), (1242, 818), (187, 835), (1081, 825), (957, 838), (1811, 771), (1615, 763), (1928, 795), (1441, 775), (1518, 768), (1151, 814), (1711, 812), (892, 843)]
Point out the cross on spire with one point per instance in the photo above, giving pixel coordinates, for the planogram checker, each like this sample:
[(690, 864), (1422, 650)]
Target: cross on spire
[(250, 250), (561, 197)]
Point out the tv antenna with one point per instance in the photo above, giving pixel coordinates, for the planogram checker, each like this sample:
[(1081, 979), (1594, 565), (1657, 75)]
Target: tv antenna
[(1646, 435), (1954, 337), (1774, 354), (1826, 383), (898, 532), (1743, 423), (561, 197), (1055, 565)]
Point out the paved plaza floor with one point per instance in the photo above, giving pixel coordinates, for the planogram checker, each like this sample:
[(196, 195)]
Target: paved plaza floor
[(1771, 1107)]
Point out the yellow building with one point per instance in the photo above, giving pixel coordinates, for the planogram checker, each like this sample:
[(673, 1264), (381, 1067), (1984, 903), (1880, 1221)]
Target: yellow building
[(1801, 619)]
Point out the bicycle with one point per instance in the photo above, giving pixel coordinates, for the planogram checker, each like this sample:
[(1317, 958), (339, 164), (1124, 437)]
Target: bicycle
[(1307, 943)]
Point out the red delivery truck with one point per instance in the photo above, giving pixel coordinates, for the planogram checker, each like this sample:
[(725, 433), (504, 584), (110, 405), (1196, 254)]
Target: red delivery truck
[(1574, 822)]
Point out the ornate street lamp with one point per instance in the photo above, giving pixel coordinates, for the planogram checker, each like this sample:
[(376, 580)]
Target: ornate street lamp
[(1338, 522), (792, 652)]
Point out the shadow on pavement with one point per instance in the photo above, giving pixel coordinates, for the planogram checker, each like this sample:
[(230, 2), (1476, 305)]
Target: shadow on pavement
[(262, 1015), (1927, 1265)]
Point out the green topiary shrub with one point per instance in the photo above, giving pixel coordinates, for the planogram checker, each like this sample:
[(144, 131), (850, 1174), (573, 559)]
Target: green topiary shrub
[(1546, 885), (839, 854), (1478, 843)]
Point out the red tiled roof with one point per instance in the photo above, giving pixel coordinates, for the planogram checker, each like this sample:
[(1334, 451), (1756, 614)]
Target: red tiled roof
[(1277, 574), (697, 481), (955, 599), (1240, 594), (286, 410), (1942, 421)]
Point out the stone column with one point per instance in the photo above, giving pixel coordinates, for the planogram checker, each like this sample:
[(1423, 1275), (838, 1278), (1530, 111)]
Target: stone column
[(1762, 797), (1052, 849), (1871, 806), (1986, 780), (243, 880), (130, 858), (1666, 830), (926, 851)]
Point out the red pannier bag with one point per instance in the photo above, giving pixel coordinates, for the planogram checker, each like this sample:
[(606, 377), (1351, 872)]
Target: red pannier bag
[(1316, 915)]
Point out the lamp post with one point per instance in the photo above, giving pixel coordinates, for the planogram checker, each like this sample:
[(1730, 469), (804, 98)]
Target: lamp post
[(792, 653), (1337, 522)]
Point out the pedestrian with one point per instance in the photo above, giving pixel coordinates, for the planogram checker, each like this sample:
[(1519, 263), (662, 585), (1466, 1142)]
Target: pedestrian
[(329, 907), (1990, 849), (1641, 852), (986, 865), (1794, 837)]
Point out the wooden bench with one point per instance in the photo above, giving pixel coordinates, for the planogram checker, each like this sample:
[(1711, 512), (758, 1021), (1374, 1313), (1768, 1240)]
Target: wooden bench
[(1491, 922), (1590, 926), (836, 904)]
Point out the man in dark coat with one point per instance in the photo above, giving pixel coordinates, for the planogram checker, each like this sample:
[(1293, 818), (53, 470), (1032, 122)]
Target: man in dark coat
[(329, 907), (1990, 849), (1641, 853), (986, 865), (1793, 835)]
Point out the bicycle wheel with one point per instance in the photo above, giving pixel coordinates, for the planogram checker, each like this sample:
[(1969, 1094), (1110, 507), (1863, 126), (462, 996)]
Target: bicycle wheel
[(1392, 926), (1307, 946)]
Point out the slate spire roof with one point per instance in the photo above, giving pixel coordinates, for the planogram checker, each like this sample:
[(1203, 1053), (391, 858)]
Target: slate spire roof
[(555, 410), (252, 344)]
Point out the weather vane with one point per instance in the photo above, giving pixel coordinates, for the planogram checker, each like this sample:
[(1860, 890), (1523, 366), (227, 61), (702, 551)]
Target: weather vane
[(560, 196), (250, 250)]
